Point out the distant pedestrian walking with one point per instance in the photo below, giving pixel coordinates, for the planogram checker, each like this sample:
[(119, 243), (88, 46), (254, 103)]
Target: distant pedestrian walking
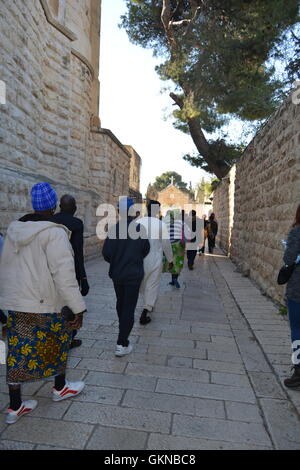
[(205, 235), (291, 255), (66, 217), (212, 232), (178, 232), (158, 236), (37, 279), (195, 224), (126, 257)]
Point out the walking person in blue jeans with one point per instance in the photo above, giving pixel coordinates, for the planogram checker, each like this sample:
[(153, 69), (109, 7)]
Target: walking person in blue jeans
[(293, 297)]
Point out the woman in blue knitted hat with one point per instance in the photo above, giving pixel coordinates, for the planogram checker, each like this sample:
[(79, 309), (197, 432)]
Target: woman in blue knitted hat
[(37, 279)]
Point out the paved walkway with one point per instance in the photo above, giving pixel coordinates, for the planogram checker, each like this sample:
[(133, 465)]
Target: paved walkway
[(205, 374)]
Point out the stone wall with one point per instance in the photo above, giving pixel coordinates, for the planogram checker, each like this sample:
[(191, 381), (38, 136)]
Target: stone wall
[(266, 195), (224, 209), (135, 174), (49, 129)]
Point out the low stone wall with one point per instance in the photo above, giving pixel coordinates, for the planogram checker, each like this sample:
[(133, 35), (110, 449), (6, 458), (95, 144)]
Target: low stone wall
[(266, 191)]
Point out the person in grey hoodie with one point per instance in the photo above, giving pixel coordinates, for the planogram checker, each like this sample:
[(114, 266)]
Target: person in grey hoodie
[(293, 298)]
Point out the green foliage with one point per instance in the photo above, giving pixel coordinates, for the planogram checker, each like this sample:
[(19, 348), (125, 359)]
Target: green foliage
[(205, 188), (283, 310), (217, 58), (165, 180)]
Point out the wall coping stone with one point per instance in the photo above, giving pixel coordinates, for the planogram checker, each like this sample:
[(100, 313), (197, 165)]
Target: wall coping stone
[(110, 134)]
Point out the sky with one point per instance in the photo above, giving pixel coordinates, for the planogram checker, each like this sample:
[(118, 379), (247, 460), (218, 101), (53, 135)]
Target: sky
[(133, 107)]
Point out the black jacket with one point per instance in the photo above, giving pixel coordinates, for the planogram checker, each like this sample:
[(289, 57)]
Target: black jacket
[(290, 256), (75, 226), (126, 257)]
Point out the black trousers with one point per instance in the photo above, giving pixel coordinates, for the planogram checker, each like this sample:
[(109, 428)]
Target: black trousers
[(211, 244), (191, 255), (3, 317), (127, 298)]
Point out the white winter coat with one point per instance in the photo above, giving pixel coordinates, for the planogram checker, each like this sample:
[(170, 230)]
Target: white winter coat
[(160, 244), (37, 273)]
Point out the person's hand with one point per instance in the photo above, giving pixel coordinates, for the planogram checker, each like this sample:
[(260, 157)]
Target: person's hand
[(77, 323), (84, 287)]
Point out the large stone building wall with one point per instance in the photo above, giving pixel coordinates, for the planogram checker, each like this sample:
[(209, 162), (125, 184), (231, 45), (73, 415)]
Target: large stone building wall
[(49, 126), (266, 195)]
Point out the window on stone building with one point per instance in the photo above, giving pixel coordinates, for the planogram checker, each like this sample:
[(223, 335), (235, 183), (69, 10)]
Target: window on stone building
[(58, 9)]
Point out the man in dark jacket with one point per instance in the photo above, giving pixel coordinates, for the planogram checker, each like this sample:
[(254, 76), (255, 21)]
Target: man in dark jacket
[(212, 229), (66, 217), (126, 258)]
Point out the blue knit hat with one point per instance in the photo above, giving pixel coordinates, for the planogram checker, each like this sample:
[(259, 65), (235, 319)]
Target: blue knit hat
[(125, 203), (43, 197)]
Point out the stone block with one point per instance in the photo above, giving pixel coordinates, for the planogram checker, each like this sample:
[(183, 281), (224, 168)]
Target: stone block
[(116, 416), (202, 390)]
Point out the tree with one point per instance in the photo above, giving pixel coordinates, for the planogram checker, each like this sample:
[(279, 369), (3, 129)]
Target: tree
[(215, 52), (205, 188), (151, 193), (167, 178)]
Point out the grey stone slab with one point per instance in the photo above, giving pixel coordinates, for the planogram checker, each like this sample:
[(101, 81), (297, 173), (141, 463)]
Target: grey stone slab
[(121, 381), (222, 339), (199, 353), (186, 362), (283, 423), (196, 334), (202, 390), (225, 378), (217, 429), (4, 400), (48, 409), (12, 445), (218, 366), (180, 343), (266, 385), (49, 432), (82, 352), (165, 442), (282, 359), (174, 404), (224, 356), (243, 412), (117, 439), (111, 346), (105, 395), (102, 365), (155, 359), (51, 448), (220, 327), (73, 362), (116, 416), (251, 353), (178, 373)]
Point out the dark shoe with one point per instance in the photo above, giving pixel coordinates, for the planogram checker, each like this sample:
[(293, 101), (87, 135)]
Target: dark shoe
[(171, 283), (191, 267), (145, 319), (76, 343), (176, 284), (294, 381)]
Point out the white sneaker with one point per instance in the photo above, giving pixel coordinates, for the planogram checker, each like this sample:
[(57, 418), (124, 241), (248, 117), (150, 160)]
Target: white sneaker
[(26, 407), (70, 390), (123, 351)]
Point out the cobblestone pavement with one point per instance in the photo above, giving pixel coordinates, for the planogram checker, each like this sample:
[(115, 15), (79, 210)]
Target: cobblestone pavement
[(205, 374)]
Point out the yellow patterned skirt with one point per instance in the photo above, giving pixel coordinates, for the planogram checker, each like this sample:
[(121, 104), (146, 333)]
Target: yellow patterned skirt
[(38, 346)]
